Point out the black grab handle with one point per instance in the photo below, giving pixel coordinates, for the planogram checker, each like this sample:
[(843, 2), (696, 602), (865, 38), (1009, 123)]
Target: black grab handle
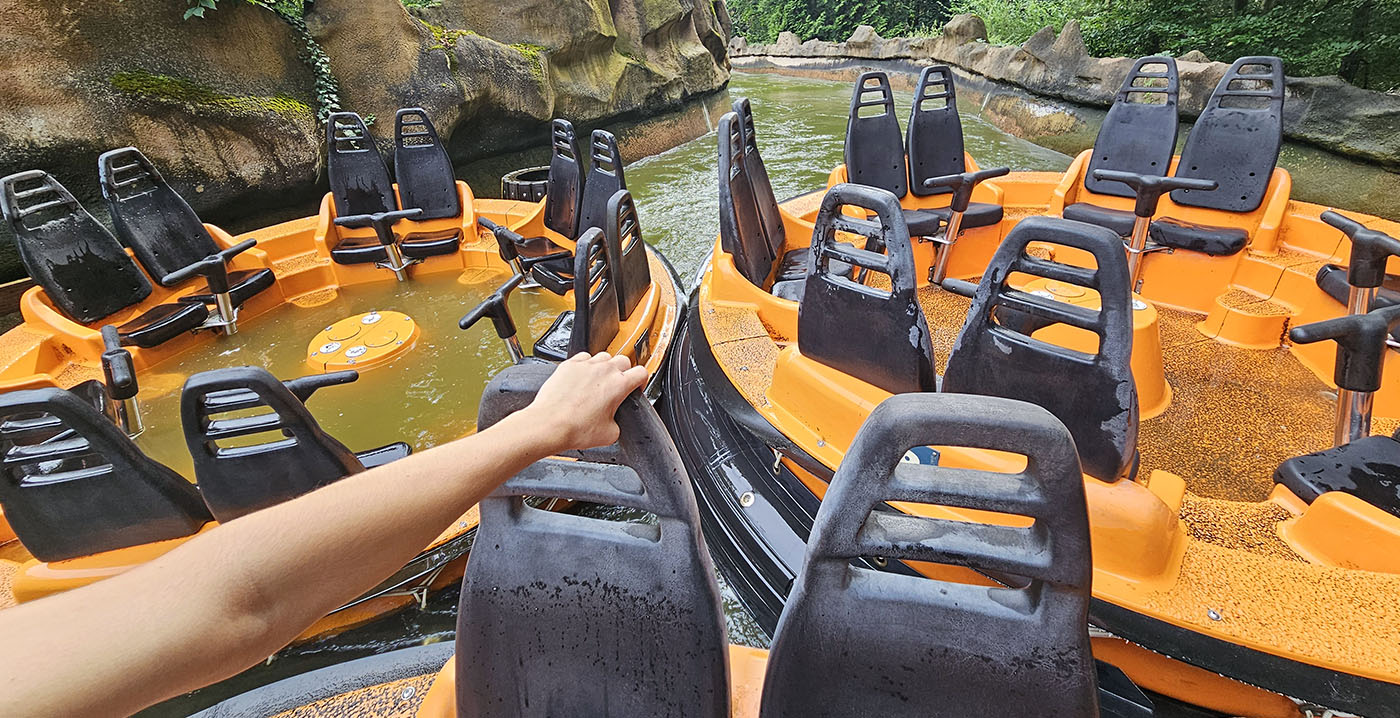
[(383, 222), (1150, 188), (505, 239), (496, 308), (117, 367), (962, 185), (214, 268), (1370, 249), (303, 387), (1361, 341)]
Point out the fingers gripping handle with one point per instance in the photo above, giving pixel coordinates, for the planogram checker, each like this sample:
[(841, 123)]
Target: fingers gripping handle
[(1361, 343), (117, 366), (1370, 249), (1150, 188), (963, 184)]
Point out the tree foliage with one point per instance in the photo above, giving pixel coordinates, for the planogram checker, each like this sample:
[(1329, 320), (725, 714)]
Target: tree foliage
[(1356, 39)]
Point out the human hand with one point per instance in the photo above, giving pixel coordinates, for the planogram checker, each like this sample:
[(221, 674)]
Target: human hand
[(578, 401)]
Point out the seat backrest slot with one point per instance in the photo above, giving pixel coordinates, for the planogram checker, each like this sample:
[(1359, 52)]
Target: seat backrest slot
[(81, 266), (584, 614), (1237, 138), (605, 178), (830, 655), (359, 180), (935, 135), (627, 253), (595, 295), (422, 167), (997, 355), (266, 458), (879, 336), (564, 194), (874, 152), (1139, 132), (740, 223), (72, 484), (161, 228)]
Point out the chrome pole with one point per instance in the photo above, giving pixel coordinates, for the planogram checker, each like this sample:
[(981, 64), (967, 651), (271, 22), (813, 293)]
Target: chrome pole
[(223, 302), (1136, 244), (950, 236), (517, 355), (126, 413), (396, 263)]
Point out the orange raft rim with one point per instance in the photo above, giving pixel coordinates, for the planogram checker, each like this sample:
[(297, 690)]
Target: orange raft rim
[(48, 349), (1204, 561)]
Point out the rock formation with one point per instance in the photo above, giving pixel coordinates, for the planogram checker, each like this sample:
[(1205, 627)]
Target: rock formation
[(227, 108), (1323, 111)]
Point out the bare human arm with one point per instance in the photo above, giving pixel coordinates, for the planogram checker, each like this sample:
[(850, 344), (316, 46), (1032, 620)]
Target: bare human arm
[(229, 598)]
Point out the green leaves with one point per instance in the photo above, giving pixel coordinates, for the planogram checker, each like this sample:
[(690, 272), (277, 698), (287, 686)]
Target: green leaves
[(198, 7)]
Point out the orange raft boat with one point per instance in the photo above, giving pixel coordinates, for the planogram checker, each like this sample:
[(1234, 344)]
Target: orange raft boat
[(1172, 322), (94, 423)]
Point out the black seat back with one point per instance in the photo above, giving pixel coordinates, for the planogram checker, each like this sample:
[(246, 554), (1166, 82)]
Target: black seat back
[(876, 335), (255, 444), (627, 253), (595, 295), (1237, 138), (359, 181), (935, 135), (422, 167), (75, 485), (161, 228), (80, 265), (1139, 132), (1093, 394), (564, 195), (604, 180), (856, 641), (585, 616), (773, 229), (874, 149), (740, 224)]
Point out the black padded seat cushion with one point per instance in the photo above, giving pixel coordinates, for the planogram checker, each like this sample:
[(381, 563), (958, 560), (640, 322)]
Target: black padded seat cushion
[(1118, 220), (242, 286), (794, 267), (420, 245), (162, 323), (358, 250), (554, 343), (1214, 241), (1368, 469), (927, 222), (790, 289)]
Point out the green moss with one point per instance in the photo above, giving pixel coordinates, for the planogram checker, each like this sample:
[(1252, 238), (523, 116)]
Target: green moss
[(197, 96), (534, 54), (446, 40)]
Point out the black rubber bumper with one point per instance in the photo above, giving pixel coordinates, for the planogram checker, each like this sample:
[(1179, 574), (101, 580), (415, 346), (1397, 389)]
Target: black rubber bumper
[(756, 520)]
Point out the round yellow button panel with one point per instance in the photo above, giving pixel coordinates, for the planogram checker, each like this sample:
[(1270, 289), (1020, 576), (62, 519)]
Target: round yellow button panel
[(362, 342)]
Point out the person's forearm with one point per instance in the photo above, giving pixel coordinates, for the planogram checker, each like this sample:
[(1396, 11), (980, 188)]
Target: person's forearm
[(274, 572)]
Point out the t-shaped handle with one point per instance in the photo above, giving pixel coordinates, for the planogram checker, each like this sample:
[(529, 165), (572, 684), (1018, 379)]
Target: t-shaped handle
[(383, 222), (117, 366), (962, 185), (1361, 343), (1370, 249), (1150, 188)]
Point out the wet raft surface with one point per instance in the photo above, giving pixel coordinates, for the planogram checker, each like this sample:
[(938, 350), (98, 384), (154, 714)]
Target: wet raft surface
[(396, 699), (1235, 415)]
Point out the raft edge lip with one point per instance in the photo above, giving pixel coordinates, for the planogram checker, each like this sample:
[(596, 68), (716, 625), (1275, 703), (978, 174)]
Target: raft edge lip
[(1221, 655)]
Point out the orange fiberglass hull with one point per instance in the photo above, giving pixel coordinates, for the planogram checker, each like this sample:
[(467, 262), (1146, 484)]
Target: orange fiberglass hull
[(1201, 558), (50, 350)]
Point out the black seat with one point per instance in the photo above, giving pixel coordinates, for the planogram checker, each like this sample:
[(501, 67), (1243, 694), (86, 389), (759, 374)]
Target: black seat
[(627, 253), (360, 185), (81, 266), (792, 264), (935, 145), (422, 167), (75, 485), (1235, 142), (586, 616), (740, 224), (1368, 469), (856, 641), (877, 335), (605, 178), (1093, 394), (563, 201), (593, 322), (292, 454), (161, 228)]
